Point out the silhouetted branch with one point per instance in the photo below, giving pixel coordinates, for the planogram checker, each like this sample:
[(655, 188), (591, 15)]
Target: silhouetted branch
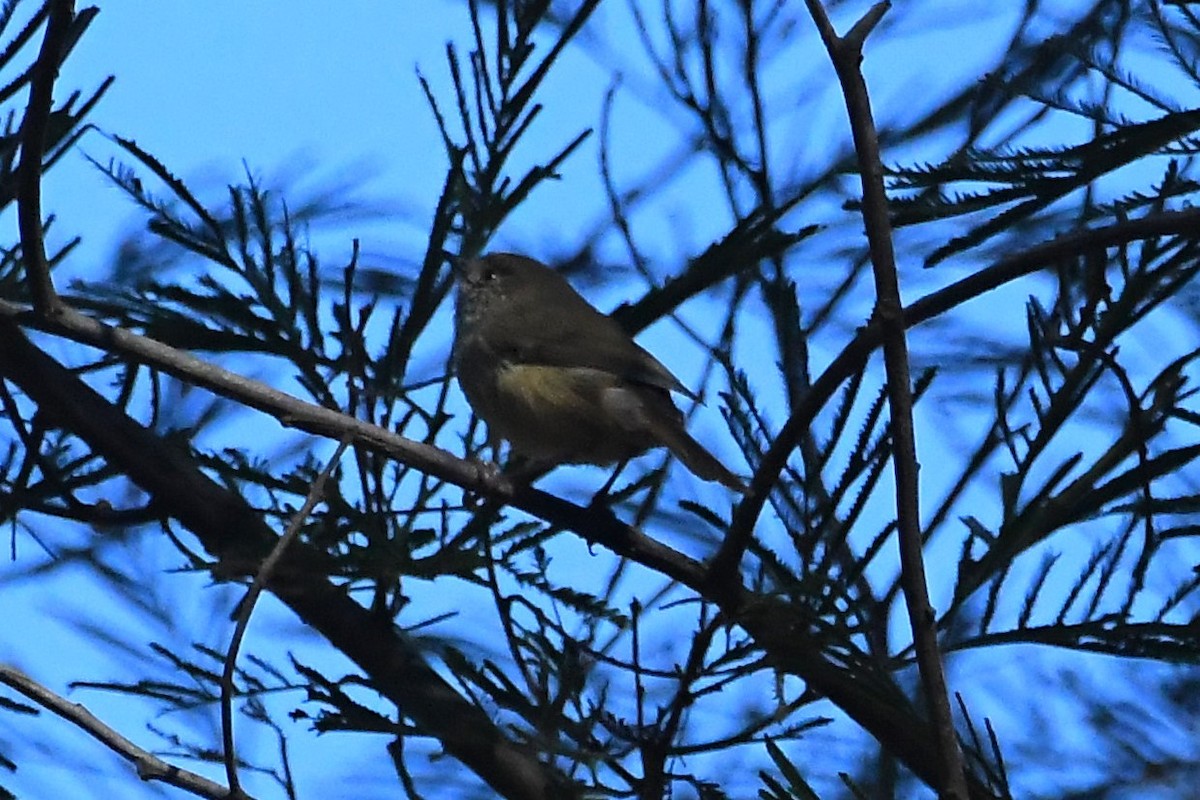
[(853, 357), (33, 147), (261, 579), (846, 54), (149, 766)]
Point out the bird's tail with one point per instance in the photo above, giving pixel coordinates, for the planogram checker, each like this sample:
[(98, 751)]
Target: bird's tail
[(701, 462)]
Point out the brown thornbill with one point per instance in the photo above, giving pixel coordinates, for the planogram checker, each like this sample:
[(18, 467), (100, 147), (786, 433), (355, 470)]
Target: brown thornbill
[(561, 381)]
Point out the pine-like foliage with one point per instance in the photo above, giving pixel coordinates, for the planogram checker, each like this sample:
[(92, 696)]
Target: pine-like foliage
[(496, 639)]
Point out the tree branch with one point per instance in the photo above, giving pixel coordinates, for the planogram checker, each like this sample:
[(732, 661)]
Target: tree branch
[(233, 532), (149, 766), (846, 54), (261, 578), (602, 528), (853, 357), (33, 146)]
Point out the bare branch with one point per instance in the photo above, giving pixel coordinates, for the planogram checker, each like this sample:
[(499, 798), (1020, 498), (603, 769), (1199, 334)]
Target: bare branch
[(846, 54), (261, 579), (234, 533), (33, 146), (603, 528), (149, 766)]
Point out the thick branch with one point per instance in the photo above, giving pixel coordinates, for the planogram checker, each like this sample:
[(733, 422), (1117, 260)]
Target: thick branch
[(597, 527)]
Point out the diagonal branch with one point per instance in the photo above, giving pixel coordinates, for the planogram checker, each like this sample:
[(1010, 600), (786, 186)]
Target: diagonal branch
[(149, 766), (234, 533), (603, 529)]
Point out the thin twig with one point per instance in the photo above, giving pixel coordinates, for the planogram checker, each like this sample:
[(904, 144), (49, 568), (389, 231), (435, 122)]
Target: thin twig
[(846, 54), (315, 493), (149, 766), (33, 147)]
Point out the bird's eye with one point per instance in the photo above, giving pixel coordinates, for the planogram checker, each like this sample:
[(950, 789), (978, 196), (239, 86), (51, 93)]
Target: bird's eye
[(490, 275)]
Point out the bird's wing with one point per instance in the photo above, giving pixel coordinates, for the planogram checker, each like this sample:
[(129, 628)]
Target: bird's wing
[(604, 346)]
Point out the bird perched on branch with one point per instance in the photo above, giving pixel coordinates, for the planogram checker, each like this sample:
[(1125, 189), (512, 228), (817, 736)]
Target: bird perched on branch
[(561, 381)]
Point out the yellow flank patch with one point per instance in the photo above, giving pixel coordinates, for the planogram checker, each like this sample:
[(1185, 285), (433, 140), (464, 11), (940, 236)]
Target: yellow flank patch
[(548, 390)]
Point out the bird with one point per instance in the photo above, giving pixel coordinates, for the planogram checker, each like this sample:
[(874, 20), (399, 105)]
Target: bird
[(558, 379)]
